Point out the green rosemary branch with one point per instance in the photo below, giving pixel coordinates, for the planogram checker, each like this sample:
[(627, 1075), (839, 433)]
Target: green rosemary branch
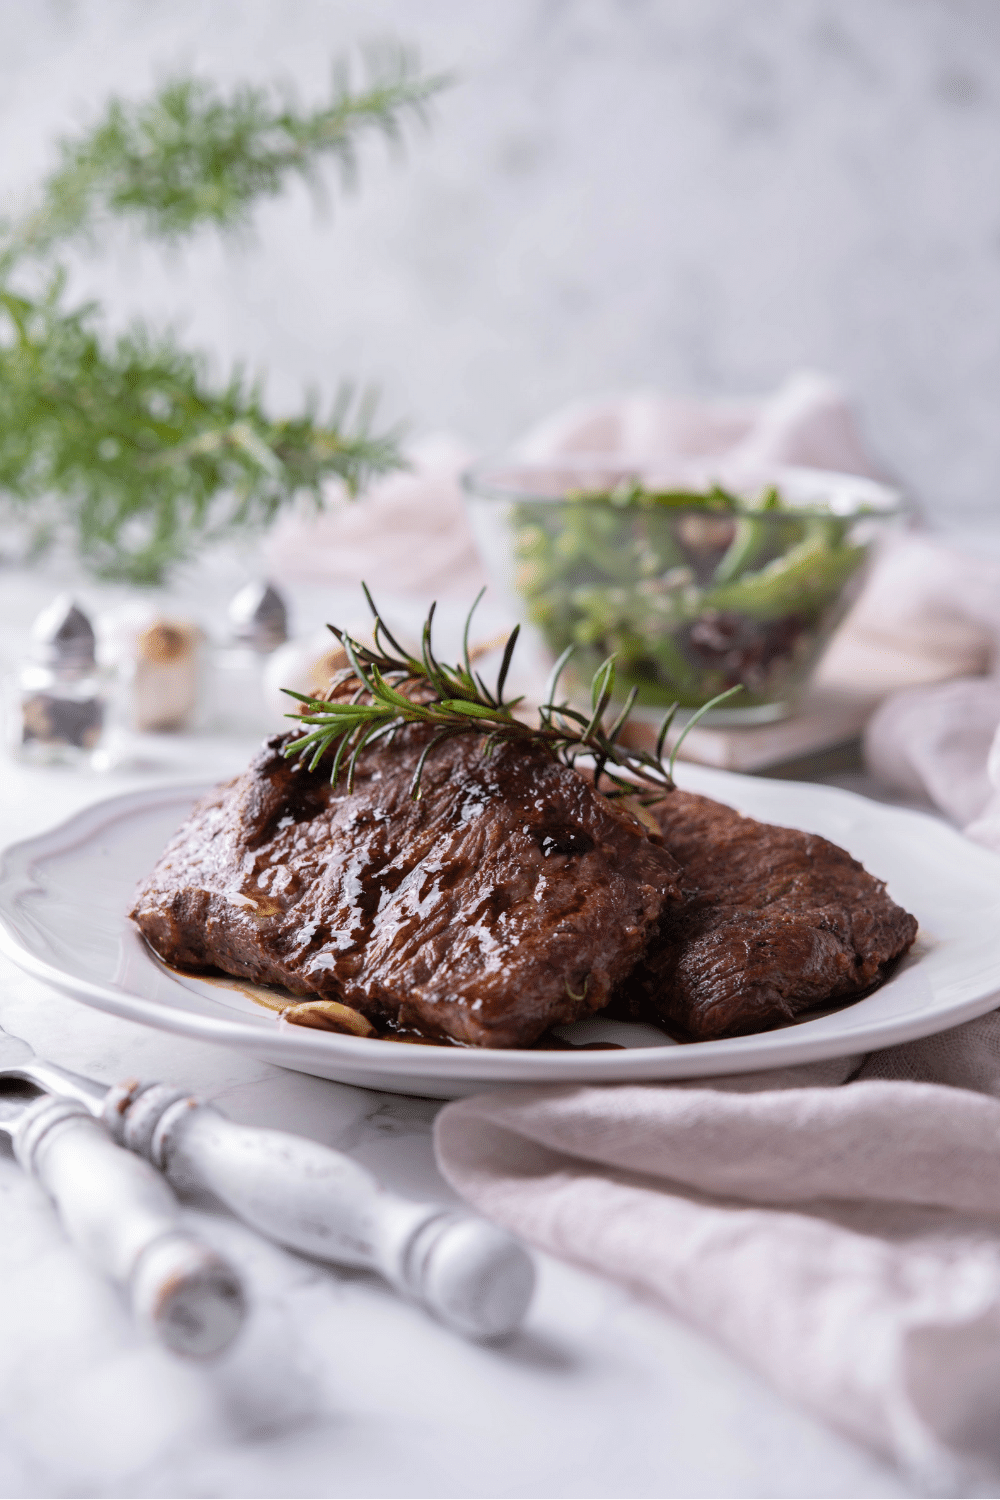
[(123, 446), (396, 689), (127, 450), (188, 157)]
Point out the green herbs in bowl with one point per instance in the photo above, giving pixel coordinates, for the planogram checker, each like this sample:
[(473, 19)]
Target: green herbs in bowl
[(694, 590)]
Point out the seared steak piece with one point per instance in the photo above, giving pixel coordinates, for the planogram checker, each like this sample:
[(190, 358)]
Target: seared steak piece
[(773, 922), (510, 898)]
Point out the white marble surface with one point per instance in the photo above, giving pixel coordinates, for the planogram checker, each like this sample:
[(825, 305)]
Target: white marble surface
[(337, 1387), (698, 195)]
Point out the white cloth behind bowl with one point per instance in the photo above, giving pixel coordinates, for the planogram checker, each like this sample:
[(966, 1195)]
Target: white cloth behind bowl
[(807, 423), (406, 536), (930, 610)]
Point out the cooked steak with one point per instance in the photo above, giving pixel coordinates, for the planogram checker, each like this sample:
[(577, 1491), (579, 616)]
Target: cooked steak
[(510, 898), (772, 923)]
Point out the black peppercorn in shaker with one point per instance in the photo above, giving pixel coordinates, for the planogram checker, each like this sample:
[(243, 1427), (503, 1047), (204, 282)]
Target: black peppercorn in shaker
[(60, 701)]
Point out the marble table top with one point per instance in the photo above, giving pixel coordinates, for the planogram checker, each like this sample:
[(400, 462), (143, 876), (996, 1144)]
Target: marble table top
[(337, 1387)]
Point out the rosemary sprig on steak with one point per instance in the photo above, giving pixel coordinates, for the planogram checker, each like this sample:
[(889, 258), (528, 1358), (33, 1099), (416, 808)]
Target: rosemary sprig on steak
[(391, 690)]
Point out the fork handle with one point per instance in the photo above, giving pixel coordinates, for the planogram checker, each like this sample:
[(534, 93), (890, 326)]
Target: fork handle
[(122, 1215), (471, 1274)]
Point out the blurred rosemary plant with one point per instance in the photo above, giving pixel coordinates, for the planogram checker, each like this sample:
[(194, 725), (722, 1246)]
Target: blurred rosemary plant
[(124, 445)]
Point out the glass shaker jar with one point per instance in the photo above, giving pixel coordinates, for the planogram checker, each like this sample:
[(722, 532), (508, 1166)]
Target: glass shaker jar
[(258, 624), (59, 700)]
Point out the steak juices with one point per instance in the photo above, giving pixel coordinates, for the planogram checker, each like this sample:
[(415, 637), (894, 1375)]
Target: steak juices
[(510, 898)]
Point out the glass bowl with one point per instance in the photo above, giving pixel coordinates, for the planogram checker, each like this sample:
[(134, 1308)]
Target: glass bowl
[(695, 589)]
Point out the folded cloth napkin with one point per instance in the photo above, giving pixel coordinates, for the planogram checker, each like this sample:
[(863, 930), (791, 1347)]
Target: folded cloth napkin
[(836, 1225), (407, 536), (932, 613), (806, 422)]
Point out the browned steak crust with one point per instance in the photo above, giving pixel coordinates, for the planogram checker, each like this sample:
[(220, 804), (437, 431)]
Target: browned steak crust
[(773, 922), (510, 898)]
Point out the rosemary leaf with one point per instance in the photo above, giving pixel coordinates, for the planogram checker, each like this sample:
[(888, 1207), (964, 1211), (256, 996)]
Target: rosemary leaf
[(189, 156)]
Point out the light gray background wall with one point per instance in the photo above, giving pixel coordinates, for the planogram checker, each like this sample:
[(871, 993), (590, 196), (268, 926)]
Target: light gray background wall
[(692, 194)]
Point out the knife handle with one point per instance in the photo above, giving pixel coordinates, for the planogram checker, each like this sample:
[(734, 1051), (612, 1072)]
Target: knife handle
[(472, 1275), (123, 1216)]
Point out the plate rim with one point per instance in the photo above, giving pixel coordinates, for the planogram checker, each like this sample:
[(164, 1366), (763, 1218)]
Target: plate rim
[(498, 1067)]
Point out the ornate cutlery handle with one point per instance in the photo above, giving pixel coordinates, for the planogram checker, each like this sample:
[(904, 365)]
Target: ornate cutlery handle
[(471, 1274), (125, 1219)]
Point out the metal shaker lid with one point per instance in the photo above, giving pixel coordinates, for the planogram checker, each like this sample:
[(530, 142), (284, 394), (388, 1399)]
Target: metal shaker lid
[(259, 618), (63, 636)]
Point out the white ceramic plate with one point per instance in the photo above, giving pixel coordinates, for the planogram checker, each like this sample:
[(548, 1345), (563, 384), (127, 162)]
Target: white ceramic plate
[(64, 894)]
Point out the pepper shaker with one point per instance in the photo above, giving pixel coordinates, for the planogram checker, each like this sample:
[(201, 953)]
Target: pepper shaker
[(60, 702)]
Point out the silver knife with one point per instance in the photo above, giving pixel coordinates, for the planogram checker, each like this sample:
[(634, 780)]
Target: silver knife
[(472, 1275), (121, 1214)]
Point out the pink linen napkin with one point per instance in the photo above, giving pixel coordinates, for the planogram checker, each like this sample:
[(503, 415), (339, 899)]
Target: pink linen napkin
[(408, 534), (808, 421), (837, 1225), (935, 614)]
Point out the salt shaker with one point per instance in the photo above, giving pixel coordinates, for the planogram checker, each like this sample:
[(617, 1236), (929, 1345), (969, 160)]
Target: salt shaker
[(258, 619), (60, 701)]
